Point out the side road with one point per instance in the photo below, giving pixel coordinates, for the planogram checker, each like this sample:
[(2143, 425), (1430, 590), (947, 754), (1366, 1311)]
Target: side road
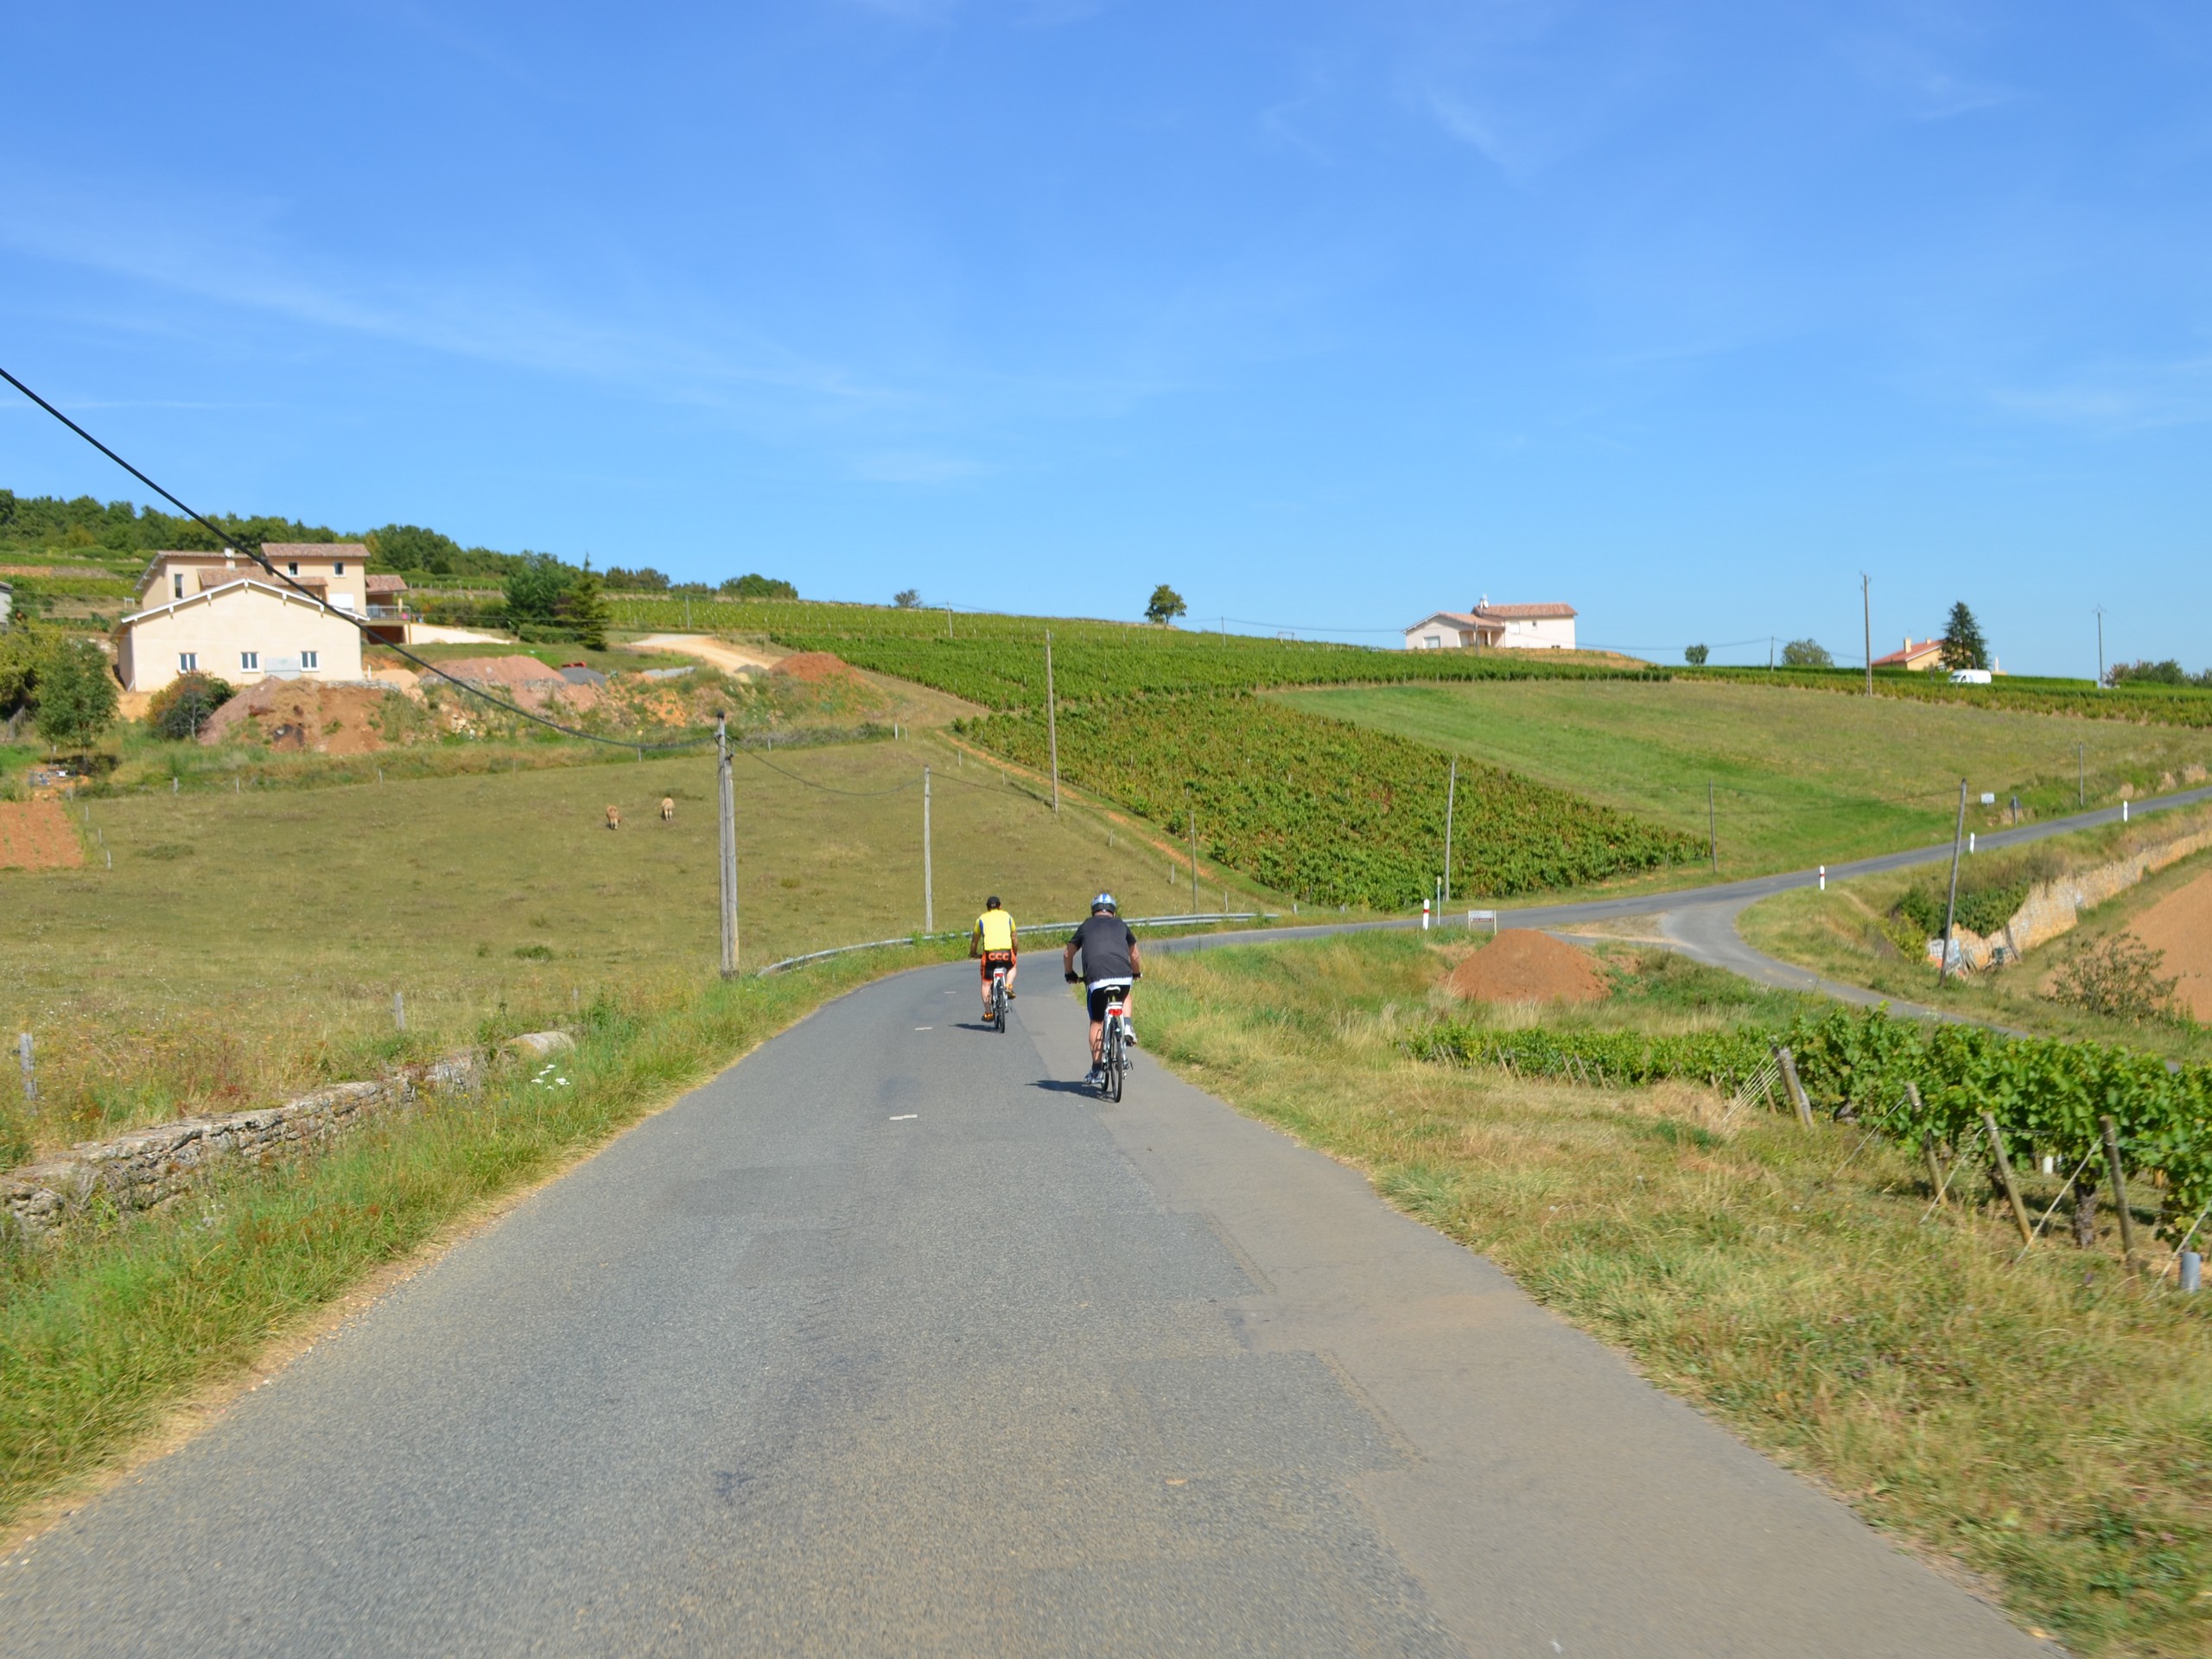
[(1700, 922), (890, 1339)]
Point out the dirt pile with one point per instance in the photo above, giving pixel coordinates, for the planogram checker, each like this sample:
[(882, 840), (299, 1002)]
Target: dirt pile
[(523, 681), (293, 715), (2181, 925), (1520, 965), (517, 669), (38, 836), (813, 667)]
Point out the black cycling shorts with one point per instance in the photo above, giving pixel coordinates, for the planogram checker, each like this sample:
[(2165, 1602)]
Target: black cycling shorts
[(1102, 994)]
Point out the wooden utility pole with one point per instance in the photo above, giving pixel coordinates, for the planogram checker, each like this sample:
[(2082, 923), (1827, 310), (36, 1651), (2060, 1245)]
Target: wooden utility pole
[(1951, 909), (1712, 828), (2101, 647), (726, 860), (1866, 618), (929, 887), (1051, 721), (1450, 794)]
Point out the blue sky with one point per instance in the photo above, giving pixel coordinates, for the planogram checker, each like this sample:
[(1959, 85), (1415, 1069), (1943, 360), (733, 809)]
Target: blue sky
[(1328, 315)]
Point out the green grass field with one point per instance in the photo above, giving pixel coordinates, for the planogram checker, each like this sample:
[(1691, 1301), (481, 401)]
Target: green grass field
[(244, 943), (1799, 777)]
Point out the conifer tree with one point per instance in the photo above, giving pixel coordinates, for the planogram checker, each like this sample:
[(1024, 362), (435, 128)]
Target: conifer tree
[(1963, 646)]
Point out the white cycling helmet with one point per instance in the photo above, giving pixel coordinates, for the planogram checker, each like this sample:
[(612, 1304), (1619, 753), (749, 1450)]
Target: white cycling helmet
[(1103, 902)]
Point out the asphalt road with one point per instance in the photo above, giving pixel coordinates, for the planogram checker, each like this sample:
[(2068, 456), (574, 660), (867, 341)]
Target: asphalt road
[(892, 1340)]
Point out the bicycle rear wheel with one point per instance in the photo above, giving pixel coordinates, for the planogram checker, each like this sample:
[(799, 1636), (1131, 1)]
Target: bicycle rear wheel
[(998, 1004), (1113, 1056)]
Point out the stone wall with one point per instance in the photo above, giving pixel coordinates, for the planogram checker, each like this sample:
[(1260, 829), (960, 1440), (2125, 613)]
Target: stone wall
[(151, 1167), (2054, 907)]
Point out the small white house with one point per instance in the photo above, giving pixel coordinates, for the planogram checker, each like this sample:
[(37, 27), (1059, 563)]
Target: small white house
[(242, 631), (1495, 627)]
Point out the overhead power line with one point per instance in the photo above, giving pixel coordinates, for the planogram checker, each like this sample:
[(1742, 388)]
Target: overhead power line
[(225, 538)]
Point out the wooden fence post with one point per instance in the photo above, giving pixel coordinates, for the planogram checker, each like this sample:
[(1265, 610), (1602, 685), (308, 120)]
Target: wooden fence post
[(1789, 1063), (2120, 1193), (1928, 1146), (2005, 1174)]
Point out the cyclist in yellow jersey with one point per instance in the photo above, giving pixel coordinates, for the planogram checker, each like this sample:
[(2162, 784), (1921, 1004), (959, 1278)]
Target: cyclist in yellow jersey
[(994, 941)]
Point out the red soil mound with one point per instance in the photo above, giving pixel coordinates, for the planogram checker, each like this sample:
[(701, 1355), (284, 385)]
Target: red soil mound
[(1523, 966), (303, 715), (515, 670), (37, 836), (813, 667), (2181, 925)]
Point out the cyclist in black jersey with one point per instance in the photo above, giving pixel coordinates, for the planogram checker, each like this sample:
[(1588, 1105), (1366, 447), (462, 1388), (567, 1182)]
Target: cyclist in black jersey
[(1111, 965)]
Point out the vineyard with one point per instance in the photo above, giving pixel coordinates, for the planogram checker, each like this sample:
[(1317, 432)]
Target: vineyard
[(1329, 812), (2048, 1096), (999, 661)]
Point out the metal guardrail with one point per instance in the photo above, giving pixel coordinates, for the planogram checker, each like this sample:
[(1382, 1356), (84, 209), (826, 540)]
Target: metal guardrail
[(1035, 927)]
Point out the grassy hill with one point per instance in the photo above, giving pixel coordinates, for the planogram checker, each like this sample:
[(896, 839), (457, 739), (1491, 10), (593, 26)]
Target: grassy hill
[(1799, 776)]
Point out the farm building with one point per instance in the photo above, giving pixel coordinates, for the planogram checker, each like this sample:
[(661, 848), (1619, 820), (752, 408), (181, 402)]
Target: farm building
[(1495, 627)]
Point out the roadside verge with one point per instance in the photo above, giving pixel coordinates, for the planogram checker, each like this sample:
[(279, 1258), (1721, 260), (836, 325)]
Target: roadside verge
[(131, 1318)]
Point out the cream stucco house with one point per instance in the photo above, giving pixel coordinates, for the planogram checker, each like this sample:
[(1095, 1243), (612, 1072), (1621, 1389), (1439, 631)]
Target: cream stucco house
[(222, 614), (1495, 627)]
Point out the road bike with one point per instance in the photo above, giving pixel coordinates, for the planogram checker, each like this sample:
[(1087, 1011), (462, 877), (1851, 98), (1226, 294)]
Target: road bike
[(1113, 1047), (997, 1018)]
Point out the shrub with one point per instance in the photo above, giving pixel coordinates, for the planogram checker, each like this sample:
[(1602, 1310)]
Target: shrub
[(2117, 978), (1807, 653), (180, 709), (1695, 655)]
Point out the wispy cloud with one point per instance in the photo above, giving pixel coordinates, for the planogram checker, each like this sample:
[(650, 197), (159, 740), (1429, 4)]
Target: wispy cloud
[(491, 317), (1909, 73), (2120, 396)]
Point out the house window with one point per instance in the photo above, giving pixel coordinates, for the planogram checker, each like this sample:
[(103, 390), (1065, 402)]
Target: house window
[(339, 568), (187, 662), (292, 568), (177, 576), (1433, 641), (250, 661), (306, 659)]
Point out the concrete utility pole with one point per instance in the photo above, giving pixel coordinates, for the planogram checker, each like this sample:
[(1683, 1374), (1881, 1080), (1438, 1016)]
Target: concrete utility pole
[(929, 884), (725, 790), (2101, 647), (1712, 828), (1866, 616), (1051, 721), (1951, 909), (1451, 793)]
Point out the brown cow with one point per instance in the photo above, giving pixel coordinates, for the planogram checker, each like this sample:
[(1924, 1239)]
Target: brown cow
[(668, 808), (614, 817)]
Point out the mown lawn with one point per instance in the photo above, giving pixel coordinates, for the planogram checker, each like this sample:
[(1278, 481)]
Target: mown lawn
[(2046, 1426), (1799, 777)]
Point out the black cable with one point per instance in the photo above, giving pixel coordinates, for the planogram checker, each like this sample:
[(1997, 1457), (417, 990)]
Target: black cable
[(827, 788), (225, 539)]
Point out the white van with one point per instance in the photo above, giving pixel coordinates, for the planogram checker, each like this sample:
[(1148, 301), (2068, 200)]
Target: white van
[(1969, 677)]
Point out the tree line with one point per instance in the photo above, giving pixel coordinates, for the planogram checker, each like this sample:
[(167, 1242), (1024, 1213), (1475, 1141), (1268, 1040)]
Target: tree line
[(49, 523)]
